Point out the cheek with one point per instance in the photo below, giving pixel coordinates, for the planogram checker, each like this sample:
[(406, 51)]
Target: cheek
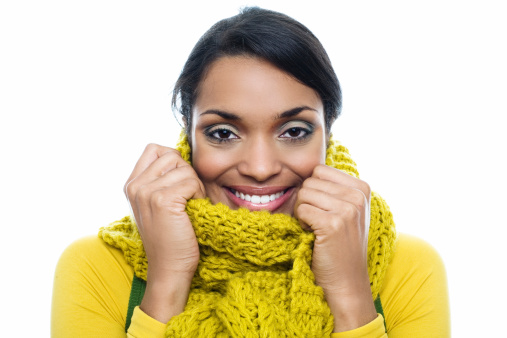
[(304, 161), (209, 164), (311, 155)]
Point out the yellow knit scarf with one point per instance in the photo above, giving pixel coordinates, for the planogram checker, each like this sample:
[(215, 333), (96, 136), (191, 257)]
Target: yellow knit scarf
[(254, 277)]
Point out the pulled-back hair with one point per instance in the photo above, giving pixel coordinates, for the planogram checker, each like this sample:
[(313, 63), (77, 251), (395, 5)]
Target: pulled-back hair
[(268, 35)]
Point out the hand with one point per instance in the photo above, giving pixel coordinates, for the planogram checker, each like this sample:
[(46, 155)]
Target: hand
[(158, 190), (336, 207)]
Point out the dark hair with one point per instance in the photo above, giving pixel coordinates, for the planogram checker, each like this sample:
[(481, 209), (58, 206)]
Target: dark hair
[(269, 35)]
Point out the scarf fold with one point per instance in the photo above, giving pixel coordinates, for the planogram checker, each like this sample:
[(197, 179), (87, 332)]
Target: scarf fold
[(254, 277)]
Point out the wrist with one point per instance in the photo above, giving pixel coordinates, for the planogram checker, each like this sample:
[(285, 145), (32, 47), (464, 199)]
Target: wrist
[(351, 311), (165, 298)]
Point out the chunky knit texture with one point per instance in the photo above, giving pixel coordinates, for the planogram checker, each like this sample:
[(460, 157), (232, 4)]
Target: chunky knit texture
[(254, 277)]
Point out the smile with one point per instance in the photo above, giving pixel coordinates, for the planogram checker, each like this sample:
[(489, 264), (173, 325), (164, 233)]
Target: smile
[(258, 199), (254, 198)]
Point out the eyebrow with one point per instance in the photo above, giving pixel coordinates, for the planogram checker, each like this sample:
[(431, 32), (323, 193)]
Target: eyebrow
[(222, 114), (293, 112), (286, 114)]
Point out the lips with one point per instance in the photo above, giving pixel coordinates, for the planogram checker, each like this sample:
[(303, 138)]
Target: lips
[(258, 199), (253, 198)]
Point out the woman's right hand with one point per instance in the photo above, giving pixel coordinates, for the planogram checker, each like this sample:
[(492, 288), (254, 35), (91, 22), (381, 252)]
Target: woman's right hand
[(158, 190)]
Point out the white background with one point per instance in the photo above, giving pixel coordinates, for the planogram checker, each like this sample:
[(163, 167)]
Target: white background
[(85, 85)]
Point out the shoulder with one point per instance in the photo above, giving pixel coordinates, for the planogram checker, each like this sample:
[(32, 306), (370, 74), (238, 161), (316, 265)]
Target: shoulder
[(414, 263), (91, 255), (415, 286), (87, 246), (91, 252), (416, 254), (92, 282)]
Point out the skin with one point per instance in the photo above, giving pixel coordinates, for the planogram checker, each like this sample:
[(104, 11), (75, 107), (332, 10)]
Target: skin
[(255, 130)]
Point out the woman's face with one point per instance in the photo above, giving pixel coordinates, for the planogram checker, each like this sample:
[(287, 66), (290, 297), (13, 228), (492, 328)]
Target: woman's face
[(257, 134)]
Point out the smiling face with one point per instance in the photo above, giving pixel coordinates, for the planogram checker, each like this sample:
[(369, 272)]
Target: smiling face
[(257, 134)]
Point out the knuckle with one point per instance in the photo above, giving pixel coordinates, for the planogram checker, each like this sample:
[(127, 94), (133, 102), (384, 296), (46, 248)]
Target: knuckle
[(195, 184), (130, 190), (350, 211), (301, 210), (335, 223), (125, 189), (188, 171), (319, 169), (359, 199), (365, 188), (302, 192), (308, 182), (142, 194), (172, 152), (151, 147), (159, 199), (167, 201), (189, 182)]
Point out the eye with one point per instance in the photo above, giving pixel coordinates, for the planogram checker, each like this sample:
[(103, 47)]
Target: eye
[(220, 134), (296, 133), (223, 134)]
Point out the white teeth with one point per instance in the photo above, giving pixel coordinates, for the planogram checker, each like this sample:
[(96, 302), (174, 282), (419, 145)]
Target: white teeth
[(256, 199), (263, 199)]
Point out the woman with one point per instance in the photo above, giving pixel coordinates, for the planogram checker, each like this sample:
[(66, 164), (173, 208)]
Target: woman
[(258, 97)]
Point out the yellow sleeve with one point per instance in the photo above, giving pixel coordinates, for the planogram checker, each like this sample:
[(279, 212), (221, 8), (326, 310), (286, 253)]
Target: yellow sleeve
[(91, 292), (414, 295), (144, 326), (373, 329)]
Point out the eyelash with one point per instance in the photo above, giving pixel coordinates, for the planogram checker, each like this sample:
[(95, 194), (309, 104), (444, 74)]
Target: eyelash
[(307, 131), (210, 134)]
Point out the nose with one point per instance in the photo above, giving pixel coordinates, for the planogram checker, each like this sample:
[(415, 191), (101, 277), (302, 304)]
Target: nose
[(260, 159)]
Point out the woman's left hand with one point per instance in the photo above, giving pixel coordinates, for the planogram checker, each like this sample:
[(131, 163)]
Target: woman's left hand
[(336, 208)]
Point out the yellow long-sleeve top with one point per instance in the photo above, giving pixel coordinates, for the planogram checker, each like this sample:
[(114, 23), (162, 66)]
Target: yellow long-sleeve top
[(93, 281)]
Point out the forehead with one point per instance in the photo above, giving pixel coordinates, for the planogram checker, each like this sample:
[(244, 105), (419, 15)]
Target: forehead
[(248, 86)]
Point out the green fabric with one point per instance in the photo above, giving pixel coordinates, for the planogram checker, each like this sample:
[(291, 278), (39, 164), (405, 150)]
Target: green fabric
[(136, 296), (378, 307), (139, 286)]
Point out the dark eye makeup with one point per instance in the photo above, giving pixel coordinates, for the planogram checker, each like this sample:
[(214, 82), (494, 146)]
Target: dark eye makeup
[(292, 131), (220, 133), (297, 133)]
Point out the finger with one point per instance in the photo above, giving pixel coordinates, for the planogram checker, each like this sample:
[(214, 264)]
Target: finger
[(174, 178), (161, 166), (335, 175), (336, 190), (302, 223), (326, 202), (141, 199), (347, 211), (325, 223), (173, 199), (158, 167), (151, 153), (308, 216)]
